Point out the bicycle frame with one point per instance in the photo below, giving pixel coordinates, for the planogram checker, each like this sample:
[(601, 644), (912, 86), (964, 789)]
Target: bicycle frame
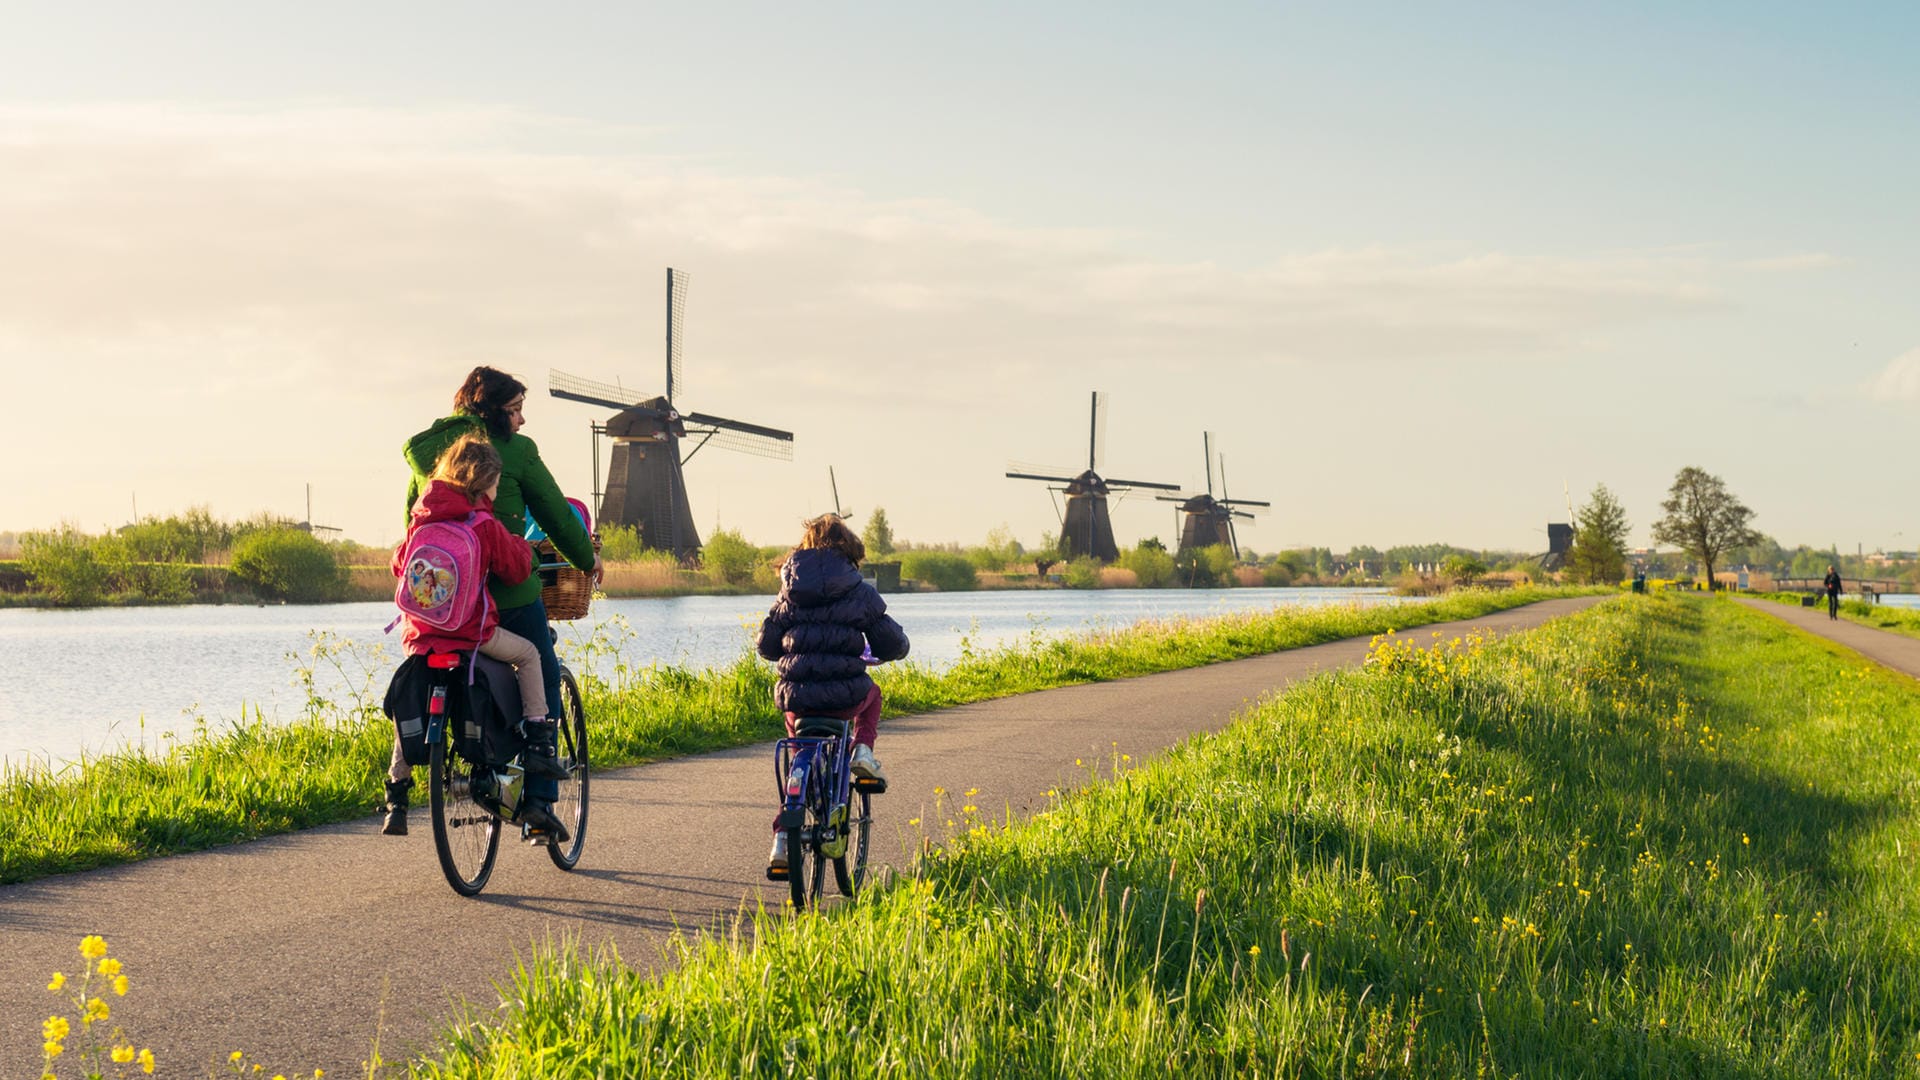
[(796, 759)]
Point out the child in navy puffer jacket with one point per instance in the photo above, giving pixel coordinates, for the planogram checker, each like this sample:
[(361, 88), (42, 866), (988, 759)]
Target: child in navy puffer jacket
[(828, 624)]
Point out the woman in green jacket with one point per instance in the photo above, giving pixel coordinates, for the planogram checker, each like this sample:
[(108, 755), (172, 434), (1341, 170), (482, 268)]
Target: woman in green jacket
[(492, 401)]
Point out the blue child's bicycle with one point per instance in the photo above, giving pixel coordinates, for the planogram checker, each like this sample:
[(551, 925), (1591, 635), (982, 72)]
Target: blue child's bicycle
[(825, 810)]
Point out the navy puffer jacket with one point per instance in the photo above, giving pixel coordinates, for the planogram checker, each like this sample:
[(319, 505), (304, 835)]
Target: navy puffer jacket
[(826, 616)]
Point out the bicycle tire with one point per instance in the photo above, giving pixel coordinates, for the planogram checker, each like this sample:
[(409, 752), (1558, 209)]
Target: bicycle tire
[(466, 835), (797, 868), (850, 870), (571, 805)]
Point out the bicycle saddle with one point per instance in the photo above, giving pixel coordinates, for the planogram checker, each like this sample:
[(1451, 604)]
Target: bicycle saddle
[(820, 727)]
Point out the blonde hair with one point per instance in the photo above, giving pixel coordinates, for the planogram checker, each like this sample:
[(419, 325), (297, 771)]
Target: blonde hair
[(470, 464), (829, 531)]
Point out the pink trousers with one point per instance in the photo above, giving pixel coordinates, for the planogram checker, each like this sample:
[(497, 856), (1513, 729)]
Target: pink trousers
[(865, 717)]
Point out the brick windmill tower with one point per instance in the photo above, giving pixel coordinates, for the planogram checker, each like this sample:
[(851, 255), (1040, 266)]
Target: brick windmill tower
[(653, 440)]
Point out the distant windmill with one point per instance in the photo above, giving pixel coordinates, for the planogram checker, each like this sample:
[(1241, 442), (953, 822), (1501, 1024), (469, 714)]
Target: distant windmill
[(645, 486), (1086, 528), (843, 513), (1208, 520)]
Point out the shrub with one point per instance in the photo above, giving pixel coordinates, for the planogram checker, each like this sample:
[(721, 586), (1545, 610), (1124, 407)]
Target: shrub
[(1277, 575), (728, 558), (1082, 573), (621, 543), (62, 563), (287, 564), (1152, 566), (943, 570)]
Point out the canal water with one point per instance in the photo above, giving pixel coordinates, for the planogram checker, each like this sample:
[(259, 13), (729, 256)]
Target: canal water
[(82, 682)]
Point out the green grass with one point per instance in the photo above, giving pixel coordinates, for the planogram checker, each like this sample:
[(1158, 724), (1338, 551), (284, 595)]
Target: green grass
[(1667, 837), (256, 778)]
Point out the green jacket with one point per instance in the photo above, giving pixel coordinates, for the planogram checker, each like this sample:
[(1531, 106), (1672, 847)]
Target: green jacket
[(525, 485)]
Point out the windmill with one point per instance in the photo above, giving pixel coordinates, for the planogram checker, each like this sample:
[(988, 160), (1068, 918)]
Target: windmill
[(1209, 520), (645, 485), (1086, 529)]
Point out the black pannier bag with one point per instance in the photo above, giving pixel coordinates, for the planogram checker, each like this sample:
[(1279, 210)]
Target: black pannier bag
[(480, 718)]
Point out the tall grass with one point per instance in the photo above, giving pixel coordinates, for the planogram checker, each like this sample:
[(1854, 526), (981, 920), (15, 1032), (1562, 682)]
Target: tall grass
[(256, 778), (1667, 837)]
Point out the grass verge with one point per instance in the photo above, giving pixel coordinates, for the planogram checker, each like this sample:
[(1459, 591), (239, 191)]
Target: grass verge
[(1666, 837), (1879, 616), (257, 778)]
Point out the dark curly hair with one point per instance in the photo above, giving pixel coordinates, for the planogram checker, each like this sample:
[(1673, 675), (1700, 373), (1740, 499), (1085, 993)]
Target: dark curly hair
[(485, 394)]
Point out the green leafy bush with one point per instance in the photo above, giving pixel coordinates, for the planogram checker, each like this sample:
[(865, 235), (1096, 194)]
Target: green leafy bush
[(1081, 573), (944, 570), (728, 558), (621, 543), (1151, 566), (288, 564), (62, 563)]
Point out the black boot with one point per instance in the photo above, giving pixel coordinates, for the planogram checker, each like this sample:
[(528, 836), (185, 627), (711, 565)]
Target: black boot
[(542, 826), (396, 824), (542, 756)]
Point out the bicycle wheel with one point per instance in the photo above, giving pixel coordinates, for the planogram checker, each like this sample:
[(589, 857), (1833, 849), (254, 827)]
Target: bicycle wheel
[(466, 835), (850, 870), (571, 805), (797, 868)]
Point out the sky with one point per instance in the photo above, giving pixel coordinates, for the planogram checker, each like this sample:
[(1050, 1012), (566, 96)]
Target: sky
[(1424, 270)]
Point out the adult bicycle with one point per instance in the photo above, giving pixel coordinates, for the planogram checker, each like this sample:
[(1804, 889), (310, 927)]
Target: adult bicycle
[(826, 811), (475, 783)]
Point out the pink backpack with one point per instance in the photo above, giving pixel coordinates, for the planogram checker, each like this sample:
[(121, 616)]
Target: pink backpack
[(443, 575)]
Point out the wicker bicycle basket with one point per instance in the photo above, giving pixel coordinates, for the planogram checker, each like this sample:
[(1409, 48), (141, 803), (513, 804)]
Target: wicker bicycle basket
[(566, 592)]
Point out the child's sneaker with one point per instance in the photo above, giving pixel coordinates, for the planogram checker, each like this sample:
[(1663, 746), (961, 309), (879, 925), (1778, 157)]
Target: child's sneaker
[(777, 858), (864, 765)]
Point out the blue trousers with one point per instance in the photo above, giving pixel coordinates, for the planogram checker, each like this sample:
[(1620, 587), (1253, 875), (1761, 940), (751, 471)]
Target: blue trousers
[(530, 622)]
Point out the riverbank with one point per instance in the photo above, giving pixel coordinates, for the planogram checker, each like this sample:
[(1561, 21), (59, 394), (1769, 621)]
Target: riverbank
[(1653, 839), (254, 778)]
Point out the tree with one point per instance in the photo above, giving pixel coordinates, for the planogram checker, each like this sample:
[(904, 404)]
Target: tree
[(878, 535), (63, 564), (1152, 567), (1046, 554), (1703, 518), (1461, 569), (1599, 554)]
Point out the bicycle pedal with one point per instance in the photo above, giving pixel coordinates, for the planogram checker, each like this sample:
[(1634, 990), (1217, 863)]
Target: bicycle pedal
[(777, 873), (872, 785)]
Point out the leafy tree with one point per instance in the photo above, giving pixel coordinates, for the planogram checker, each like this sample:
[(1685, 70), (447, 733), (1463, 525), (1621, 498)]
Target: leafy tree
[(1461, 569), (63, 564), (1599, 554), (1046, 554), (727, 557), (287, 564), (621, 543), (1810, 563), (1204, 568), (1375, 562), (1277, 574), (1703, 518), (878, 535)]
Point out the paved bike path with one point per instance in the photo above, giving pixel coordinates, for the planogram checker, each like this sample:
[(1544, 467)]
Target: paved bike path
[(301, 949), (1883, 647)]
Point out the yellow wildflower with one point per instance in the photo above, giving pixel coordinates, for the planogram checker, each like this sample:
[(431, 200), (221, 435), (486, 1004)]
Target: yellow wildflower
[(235, 1056), (1254, 952), (52, 1048), (120, 985), (59, 980), (93, 946), (122, 1054), (96, 1010), (146, 1061), (56, 1027), (109, 966)]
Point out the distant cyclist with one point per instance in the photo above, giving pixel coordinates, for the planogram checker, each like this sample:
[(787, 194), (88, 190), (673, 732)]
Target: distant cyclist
[(489, 402), (1833, 593), (828, 624)]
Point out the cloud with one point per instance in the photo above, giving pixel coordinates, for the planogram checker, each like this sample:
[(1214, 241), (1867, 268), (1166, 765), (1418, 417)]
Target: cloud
[(272, 278), (1899, 381)]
